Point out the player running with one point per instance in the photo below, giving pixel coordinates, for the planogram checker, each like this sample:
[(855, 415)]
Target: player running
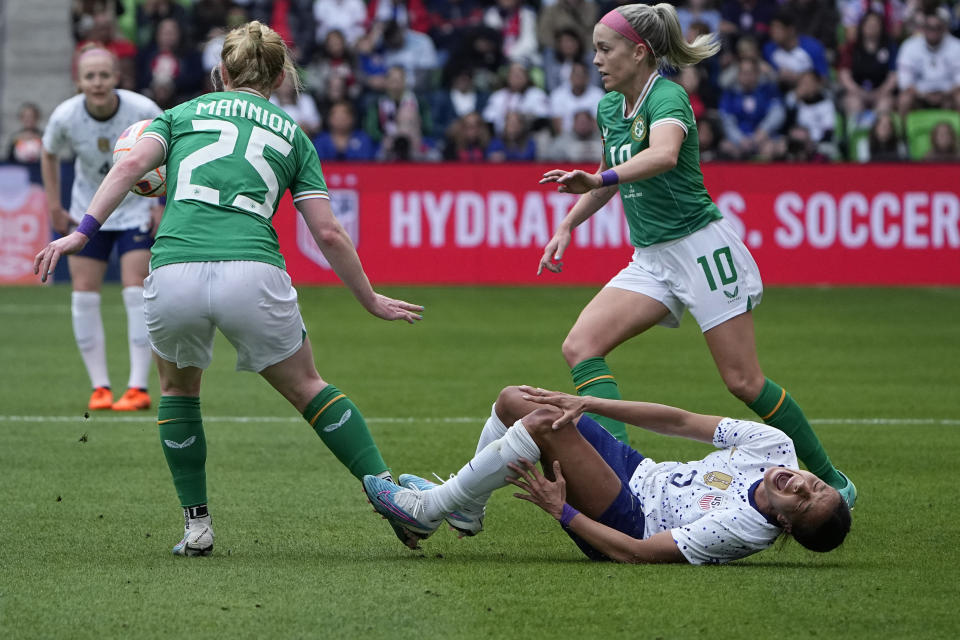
[(217, 264), (87, 125), (618, 505), (686, 256)]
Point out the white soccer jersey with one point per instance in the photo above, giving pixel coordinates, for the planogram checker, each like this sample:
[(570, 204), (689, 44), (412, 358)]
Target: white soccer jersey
[(72, 129), (707, 504)]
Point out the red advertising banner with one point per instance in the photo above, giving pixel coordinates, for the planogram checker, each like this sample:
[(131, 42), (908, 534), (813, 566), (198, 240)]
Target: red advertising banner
[(487, 224), (24, 227)]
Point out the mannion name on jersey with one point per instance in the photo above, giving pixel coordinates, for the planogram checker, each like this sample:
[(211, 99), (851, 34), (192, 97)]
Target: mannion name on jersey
[(239, 108)]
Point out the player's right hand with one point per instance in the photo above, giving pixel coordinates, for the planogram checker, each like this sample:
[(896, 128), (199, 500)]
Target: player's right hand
[(553, 252), (572, 406), (46, 261)]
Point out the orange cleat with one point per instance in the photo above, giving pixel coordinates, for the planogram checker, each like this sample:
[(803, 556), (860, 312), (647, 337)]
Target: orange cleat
[(133, 400), (101, 398)]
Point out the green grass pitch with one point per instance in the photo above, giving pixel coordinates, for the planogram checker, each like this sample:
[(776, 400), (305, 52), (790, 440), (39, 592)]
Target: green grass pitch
[(88, 513)]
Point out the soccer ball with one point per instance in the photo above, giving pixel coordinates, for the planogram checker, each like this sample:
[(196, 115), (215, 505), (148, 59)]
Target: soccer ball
[(154, 183)]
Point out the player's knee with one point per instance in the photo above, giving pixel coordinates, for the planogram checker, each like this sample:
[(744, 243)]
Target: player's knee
[(539, 422), (509, 405), (744, 386), (575, 350)]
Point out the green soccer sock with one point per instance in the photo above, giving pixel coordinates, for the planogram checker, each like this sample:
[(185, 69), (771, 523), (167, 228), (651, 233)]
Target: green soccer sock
[(184, 446), (342, 428), (779, 410), (592, 377)]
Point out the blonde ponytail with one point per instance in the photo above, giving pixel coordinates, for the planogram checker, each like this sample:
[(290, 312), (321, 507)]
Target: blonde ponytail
[(255, 55), (660, 26)]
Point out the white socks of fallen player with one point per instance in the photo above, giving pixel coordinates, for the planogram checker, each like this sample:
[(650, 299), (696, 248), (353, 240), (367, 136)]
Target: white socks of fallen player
[(88, 332), (478, 478), (494, 429), (137, 338)]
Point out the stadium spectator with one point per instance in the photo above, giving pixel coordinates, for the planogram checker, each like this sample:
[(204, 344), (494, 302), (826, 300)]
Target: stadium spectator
[(572, 16), (103, 32), (481, 51), (349, 17), (210, 49), (867, 70), (203, 239), (462, 97), (673, 225), (209, 15), (406, 141), (746, 17), (791, 54), (516, 23), (581, 144), (86, 126), (467, 139), (884, 142), (333, 59), (615, 503), (381, 119), (752, 115), (519, 94), (708, 134), (746, 49), (343, 140), (515, 144), (560, 58), (149, 15), (853, 11), (575, 95), (691, 80), (452, 22), (410, 14), (817, 19), (928, 66), (943, 144), (291, 19), (26, 144), (412, 50), (811, 122), (299, 105), (702, 11), (169, 70)]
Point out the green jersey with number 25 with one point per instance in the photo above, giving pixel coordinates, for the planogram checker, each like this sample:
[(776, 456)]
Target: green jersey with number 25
[(230, 156), (675, 203)]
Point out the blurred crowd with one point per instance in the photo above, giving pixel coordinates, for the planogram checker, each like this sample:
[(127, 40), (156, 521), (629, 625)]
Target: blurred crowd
[(513, 80)]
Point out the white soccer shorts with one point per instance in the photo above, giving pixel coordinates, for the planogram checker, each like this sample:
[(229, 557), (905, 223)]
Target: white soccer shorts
[(252, 303), (710, 272)]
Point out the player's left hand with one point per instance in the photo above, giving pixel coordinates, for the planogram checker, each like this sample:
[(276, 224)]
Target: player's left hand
[(576, 181), (392, 309), (549, 496), (46, 261)]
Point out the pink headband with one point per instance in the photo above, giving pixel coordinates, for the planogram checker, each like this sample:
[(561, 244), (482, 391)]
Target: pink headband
[(615, 20)]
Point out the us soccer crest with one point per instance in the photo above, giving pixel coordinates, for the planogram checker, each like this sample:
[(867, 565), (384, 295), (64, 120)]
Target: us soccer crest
[(639, 129), (104, 145)]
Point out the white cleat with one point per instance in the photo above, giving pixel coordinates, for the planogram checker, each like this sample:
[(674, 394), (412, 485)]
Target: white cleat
[(466, 522), (197, 537)]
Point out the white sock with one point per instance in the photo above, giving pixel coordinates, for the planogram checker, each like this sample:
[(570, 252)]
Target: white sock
[(137, 338), (479, 477), (494, 429), (88, 332)]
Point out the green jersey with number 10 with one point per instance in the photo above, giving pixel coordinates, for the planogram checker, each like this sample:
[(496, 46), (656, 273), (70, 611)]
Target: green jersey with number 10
[(675, 203), (230, 156)]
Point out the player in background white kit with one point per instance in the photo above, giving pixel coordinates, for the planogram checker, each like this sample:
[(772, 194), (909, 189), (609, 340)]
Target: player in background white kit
[(615, 503), (87, 125)]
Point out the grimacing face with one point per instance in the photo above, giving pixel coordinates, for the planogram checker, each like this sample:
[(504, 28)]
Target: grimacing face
[(799, 498)]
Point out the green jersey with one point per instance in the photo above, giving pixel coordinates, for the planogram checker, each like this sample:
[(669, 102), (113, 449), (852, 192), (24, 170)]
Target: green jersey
[(230, 156), (675, 203)]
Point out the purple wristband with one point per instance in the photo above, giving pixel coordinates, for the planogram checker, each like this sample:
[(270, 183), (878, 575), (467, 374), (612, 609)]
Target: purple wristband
[(88, 226), (609, 177), (569, 513)]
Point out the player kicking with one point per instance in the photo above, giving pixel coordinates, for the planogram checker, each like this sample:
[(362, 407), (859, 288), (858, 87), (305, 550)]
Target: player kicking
[(87, 125), (618, 505)]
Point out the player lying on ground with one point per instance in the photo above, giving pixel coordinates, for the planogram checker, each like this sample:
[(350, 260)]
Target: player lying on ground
[(618, 505)]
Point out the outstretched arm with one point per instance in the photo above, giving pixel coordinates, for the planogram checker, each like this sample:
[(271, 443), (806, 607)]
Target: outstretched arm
[(659, 418), (339, 251), (616, 545), (146, 154)]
